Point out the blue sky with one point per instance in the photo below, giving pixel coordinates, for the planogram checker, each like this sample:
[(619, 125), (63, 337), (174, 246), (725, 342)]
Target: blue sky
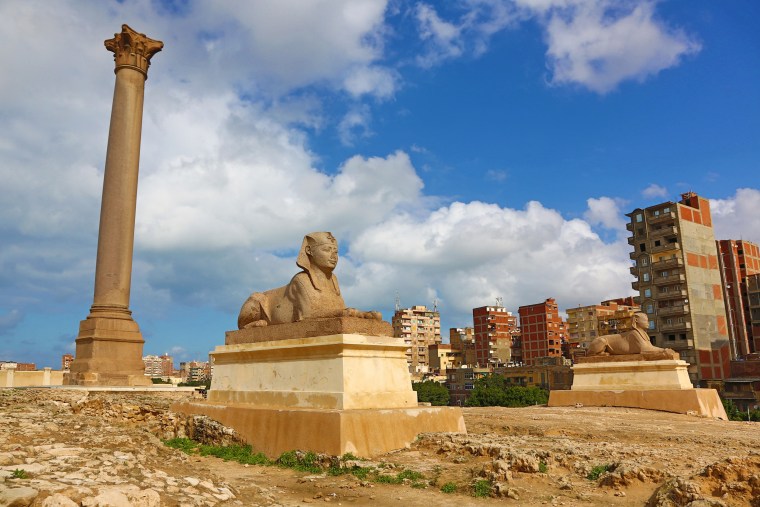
[(460, 151)]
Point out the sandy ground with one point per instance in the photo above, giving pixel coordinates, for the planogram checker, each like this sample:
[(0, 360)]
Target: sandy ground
[(531, 456)]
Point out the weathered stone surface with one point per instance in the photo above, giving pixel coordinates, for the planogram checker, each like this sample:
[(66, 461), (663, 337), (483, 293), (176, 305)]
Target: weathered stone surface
[(17, 496), (310, 328)]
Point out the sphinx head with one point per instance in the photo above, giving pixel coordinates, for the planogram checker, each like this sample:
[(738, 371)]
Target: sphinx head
[(319, 250)]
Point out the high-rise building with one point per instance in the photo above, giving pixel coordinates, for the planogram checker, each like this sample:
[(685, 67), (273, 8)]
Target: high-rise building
[(494, 327), (159, 366), (463, 341), (542, 331), (419, 327), (585, 323), (739, 259), (753, 301), (678, 278), (66, 360)]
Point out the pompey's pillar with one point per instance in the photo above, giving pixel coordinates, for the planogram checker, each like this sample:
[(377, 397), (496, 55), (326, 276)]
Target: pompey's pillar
[(109, 345)]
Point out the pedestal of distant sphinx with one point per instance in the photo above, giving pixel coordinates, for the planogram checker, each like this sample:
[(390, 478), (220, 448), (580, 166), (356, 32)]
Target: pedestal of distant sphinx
[(333, 385), (648, 377)]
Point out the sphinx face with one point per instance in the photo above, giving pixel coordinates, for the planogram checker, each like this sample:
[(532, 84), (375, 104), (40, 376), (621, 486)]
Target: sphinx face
[(324, 256)]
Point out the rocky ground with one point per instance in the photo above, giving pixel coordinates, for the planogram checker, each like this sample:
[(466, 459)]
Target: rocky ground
[(63, 447)]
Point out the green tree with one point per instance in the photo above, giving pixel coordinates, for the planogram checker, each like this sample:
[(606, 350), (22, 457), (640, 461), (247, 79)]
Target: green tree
[(493, 391), (431, 392)]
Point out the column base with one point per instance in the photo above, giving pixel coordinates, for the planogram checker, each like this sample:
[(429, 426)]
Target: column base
[(108, 353)]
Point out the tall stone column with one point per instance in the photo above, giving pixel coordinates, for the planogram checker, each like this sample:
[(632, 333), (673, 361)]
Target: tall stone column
[(109, 345)]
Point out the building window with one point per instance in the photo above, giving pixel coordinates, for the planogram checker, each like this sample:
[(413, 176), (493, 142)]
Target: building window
[(645, 261), (639, 217), (469, 387), (671, 337), (651, 324), (650, 309), (643, 247), (666, 210), (645, 276), (647, 293), (656, 212)]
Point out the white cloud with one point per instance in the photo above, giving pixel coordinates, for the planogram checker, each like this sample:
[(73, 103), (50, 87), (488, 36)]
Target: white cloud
[(605, 211), (371, 80), (443, 37), (737, 217), (654, 190), (468, 254), (599, 44), (355, 123)]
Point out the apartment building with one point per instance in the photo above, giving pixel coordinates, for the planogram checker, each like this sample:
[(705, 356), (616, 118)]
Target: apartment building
[(542, 331), (738, 260), (443, 357), (678, 277), (493, 330), (753, 302), (462, 340), (420, 328), (66, 360), (585, 323), (461, 382), (159, 366)]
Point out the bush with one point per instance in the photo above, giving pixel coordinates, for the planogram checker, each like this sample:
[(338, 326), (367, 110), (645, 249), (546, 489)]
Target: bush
[(597, 472), (431, 392), (481, 488), (449, 488), (493, 391)]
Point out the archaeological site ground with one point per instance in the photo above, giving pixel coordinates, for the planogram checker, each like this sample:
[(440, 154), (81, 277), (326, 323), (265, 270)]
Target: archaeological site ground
[(62, 447)]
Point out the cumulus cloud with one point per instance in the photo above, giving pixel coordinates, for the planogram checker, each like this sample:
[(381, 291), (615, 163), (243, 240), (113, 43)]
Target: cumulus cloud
[(654, 191), (599, 44), (355, 124), (605, 211), (470, 253), (596, 44), (737, 217)]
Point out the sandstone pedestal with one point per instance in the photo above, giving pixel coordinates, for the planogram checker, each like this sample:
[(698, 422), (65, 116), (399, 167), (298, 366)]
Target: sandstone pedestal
[(109, 353), (335, 393), (632, 381)]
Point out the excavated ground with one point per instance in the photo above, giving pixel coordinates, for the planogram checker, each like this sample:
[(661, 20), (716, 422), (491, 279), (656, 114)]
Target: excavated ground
[(63, 447)]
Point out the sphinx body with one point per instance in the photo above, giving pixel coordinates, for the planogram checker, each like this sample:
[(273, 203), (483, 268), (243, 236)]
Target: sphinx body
[(634, 341), (311, 293)]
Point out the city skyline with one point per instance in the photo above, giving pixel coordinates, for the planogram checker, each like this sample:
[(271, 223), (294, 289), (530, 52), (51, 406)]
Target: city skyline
[(459, 152)]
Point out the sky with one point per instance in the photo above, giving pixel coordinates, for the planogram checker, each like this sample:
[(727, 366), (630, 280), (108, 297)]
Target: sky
[(459, 151)]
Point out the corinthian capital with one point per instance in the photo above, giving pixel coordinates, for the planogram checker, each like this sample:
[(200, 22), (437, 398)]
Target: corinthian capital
[(133, 50)]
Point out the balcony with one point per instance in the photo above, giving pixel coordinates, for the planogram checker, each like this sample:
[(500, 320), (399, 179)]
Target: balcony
[(679, 344), (666, 246), (629, 226), (667, 280), (635, 285), (668, 230), (631, 240), (668, 263), (663, 217), (672, 294), (675, 326), (673, 310), (634, 270)]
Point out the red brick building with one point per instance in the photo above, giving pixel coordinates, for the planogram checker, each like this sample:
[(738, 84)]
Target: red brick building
[(543, 331), (739, 260), (494, 327)]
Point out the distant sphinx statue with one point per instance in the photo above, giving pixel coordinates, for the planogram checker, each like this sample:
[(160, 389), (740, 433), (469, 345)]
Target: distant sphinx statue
[(633, 341), (311, 293)]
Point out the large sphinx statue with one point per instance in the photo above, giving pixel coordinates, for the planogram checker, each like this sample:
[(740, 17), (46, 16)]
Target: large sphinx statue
[(311, 293), (633, 341)]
